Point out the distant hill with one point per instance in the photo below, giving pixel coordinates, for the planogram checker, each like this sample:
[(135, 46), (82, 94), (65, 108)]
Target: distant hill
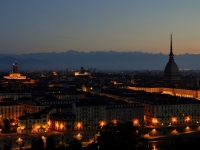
[(111, 60)]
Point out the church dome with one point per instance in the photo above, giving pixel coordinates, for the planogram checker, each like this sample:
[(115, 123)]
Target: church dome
[(171, 72)]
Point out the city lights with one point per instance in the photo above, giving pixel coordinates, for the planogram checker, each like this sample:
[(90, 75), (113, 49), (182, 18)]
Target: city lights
[(154, 121), (135, 122), (44, 140), (102, 123), (19, 141), (78, 136), (174, 119)]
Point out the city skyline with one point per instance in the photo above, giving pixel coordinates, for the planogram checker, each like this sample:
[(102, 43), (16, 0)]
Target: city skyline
[(50, 26)]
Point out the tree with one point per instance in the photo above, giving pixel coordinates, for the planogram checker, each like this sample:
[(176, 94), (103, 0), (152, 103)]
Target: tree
[(50, 143), (37, 144), (7, 147), (6, 126), (92, 146), (177, 143), (75, 144), (121, 136)]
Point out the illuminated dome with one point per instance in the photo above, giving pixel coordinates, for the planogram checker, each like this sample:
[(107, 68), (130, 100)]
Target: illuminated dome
[(171, 72)]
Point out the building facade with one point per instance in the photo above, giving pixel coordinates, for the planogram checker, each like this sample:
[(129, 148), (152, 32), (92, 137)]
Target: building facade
[(133, 112), (35, 122), (10, 111)]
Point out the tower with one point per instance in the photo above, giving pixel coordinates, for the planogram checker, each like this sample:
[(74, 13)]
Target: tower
[(171, 72), (132, 78), (15, 67)]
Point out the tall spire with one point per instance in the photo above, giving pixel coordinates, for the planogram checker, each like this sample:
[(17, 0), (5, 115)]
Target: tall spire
[(171, 55)]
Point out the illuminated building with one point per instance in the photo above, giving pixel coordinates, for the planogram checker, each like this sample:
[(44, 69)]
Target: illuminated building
[(89, 113), (125, 112), (166, 110), (10, 111), (15, 75), (190, 93), (63, 122), (35, 122), (82, 72), (122, 108), (160, 109)]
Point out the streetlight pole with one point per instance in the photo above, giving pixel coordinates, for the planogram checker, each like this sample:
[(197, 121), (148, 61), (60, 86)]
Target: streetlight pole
[(44, 140), (19, 141)]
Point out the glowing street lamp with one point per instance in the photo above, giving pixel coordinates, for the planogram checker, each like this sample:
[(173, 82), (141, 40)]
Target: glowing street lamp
[(79, 125), (135, 122), (154, 121), (114, 121), (78, 136), (19, 141), (174, 120), (101, 123), (44, 140), (188, 119)]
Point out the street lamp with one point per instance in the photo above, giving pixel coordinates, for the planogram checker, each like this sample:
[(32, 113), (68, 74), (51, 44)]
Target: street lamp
[(96, 137), (44, 140), (78, 136), (19, 141)]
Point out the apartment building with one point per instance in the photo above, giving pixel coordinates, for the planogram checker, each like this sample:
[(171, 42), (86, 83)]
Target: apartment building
[(62, 122), (89, 114), (124, 112), (14, 96), (172, 113), (30, 105), (35, 122), (10, 111), (160, 109), (166, 110)]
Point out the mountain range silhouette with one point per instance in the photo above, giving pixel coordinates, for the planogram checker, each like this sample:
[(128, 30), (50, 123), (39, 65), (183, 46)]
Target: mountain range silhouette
[(111, 60)]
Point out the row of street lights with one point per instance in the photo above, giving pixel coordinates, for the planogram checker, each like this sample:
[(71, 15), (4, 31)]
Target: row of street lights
[(20, 142)]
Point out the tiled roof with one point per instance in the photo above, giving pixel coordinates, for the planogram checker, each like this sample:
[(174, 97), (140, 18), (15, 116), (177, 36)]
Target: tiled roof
[(150, 98), (26, 116), (62, 116), (8, 103)]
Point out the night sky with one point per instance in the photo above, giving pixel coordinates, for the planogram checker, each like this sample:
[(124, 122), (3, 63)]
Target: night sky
[(32, 26)]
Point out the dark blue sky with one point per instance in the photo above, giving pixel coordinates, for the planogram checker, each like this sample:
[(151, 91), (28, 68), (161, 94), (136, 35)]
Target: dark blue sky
[(99, 25)]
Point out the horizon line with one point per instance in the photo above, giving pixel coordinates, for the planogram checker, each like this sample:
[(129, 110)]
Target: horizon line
[(137, 51)]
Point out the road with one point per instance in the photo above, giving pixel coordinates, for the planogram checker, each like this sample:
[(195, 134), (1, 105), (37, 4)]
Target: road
[(11, 138)]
